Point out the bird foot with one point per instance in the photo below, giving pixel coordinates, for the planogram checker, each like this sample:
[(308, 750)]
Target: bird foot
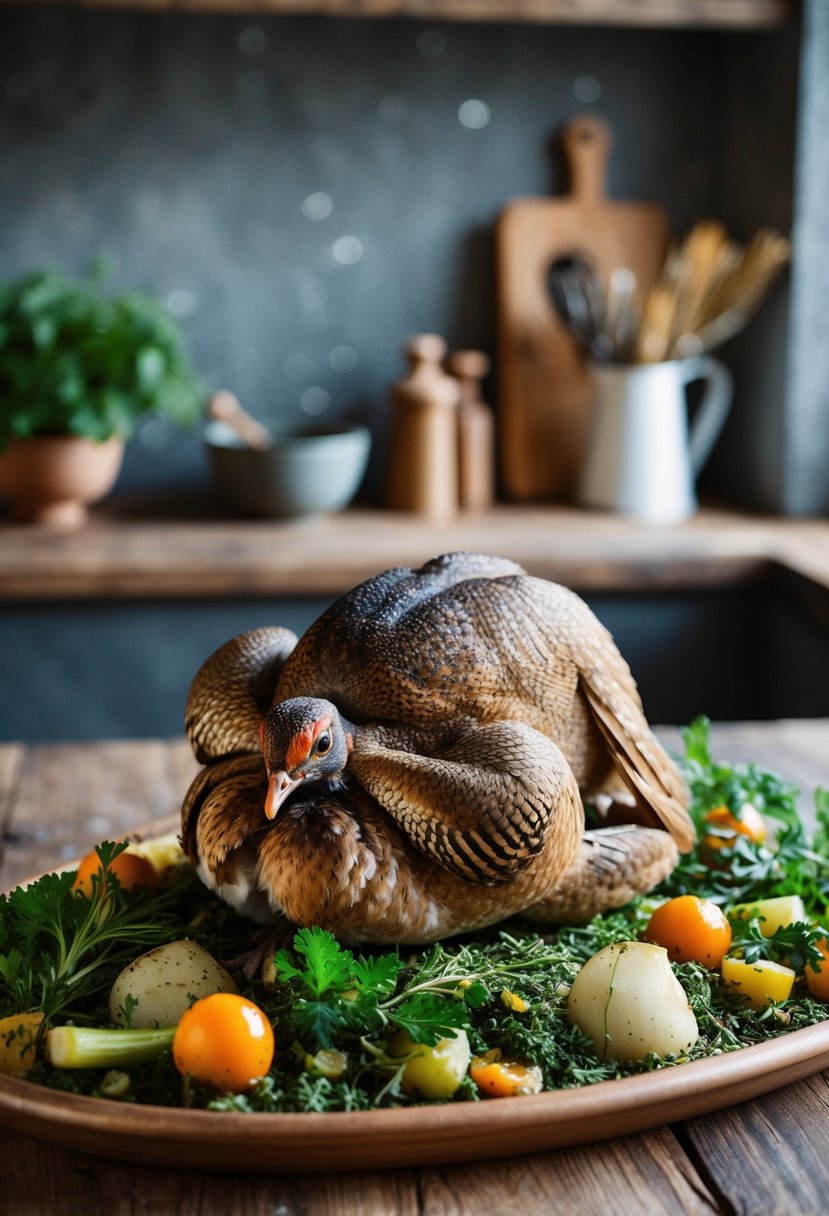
[(256, 961)]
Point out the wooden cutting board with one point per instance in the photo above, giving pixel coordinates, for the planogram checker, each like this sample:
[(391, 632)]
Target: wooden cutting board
[(544, 386)]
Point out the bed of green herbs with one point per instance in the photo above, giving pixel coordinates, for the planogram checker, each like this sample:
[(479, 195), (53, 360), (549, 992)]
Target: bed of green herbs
[(58, 958)]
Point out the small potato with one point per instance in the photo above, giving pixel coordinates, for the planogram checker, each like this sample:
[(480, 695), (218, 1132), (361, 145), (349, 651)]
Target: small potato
[(628, 1001), (432, 1072), (165, 982)]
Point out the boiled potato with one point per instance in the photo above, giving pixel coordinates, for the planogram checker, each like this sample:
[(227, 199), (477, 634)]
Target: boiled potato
[(628, 1001), (165, 982), (431, 1072)]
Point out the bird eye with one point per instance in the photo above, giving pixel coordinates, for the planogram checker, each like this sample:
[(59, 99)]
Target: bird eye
[(323, 743)]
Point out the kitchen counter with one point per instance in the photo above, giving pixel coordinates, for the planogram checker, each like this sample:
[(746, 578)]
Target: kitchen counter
[(167, 549), (769, 1155)]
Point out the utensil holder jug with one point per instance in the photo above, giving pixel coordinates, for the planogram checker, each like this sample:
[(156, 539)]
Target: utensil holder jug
[(643, 457)]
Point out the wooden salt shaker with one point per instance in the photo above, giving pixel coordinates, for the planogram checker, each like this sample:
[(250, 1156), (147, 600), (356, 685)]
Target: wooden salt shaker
[(423, 453), (476, 432)]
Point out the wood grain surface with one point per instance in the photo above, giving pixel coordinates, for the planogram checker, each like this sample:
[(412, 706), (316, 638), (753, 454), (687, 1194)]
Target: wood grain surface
[(746, 14), (762, 1157), (177, 548)]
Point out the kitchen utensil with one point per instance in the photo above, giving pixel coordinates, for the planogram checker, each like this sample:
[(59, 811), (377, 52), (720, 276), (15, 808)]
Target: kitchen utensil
[(544, 385), (642, 457), (225, 407), (622, 320), (578, 295)]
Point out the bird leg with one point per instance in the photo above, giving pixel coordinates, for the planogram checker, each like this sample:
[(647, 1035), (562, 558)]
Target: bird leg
[(481, 804), (254, 961), (612, 866)]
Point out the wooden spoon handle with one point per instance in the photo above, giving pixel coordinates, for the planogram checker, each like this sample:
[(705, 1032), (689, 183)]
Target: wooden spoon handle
[(225, 407)]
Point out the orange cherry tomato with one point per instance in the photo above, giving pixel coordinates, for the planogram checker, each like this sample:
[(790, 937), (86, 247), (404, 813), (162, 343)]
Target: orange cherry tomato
[(749, 823), (691, 930), (818, 981), (224, 1040), (505, 1078), (131, 869)]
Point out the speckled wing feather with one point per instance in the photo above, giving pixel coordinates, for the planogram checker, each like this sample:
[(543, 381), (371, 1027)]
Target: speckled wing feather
[(611, 693), (469, 639), (232, 691)]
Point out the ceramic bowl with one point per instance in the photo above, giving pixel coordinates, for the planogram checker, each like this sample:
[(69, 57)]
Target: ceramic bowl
[(310, 468)]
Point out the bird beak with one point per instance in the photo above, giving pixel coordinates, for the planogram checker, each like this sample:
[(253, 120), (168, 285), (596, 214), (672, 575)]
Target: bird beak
[(279, 787)]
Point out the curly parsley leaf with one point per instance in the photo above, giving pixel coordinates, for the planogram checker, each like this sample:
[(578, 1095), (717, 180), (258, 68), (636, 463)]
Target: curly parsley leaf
[(793, 945), (426, 1018)]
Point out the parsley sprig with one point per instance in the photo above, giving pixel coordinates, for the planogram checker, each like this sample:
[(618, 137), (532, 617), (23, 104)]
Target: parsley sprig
[(60, 950), (332, 992), (747, 870)]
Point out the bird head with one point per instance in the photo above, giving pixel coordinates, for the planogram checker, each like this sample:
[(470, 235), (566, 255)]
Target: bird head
[(303, 739)]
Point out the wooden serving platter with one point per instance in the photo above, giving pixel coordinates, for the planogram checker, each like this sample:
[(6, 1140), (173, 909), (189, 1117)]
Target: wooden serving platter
[(424, 1135)]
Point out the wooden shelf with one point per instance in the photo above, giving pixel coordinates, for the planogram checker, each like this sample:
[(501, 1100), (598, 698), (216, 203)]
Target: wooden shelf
[(722, 14), (132, 551)]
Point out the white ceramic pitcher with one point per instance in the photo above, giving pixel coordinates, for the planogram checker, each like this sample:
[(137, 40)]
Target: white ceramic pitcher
[(643, 457)]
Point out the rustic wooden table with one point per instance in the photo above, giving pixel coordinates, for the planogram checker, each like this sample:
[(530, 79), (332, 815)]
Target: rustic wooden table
[(766, 1156)]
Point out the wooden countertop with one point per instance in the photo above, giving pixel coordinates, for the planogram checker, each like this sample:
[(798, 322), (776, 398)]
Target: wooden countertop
[(739, 14), (138, 549), (766, 1156)]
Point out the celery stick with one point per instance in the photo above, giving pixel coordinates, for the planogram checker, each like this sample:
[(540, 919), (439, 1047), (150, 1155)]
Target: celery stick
[(89, 1047)]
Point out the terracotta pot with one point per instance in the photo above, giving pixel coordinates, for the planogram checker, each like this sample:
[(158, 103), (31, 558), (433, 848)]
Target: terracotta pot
[(53, 478)]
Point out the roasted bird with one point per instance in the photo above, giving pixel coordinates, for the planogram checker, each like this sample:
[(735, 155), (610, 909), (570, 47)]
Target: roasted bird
[(414, 765)]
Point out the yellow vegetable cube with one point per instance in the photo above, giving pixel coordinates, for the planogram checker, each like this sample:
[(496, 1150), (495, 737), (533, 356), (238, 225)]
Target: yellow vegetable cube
[(774, 913), (431, 1072), (18, 1048), (760, 982)]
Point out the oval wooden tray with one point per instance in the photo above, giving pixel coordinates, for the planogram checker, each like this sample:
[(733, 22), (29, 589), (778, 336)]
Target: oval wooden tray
[(424, 1135)]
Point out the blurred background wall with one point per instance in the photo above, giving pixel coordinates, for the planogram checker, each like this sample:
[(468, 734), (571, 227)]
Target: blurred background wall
[(307, 192)]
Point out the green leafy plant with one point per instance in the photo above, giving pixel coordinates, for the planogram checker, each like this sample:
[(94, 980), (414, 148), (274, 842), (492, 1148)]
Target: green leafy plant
[(75, 360)]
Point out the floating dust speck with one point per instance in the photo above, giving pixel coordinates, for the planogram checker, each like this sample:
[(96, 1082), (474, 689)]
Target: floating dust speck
[(474, 114), (317, 206), (343, 358), (347, 250), (314, 399), (431, 43), (587, 89), (252, 40), (181, 302)]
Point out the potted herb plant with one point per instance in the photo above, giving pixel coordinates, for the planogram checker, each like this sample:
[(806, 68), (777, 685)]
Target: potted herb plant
[(79, 368)]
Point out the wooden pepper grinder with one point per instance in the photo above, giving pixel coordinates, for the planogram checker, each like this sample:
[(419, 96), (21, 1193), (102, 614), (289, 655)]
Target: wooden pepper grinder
[(476, 432), (423, 453)]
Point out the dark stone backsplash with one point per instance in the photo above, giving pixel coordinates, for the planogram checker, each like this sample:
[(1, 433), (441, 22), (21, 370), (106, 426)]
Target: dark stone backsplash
[(307, 192)]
